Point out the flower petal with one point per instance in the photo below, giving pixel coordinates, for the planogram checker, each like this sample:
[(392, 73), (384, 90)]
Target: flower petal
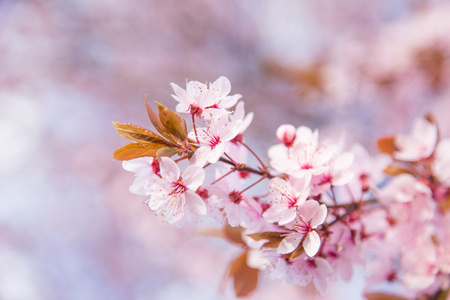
[(193, 177), (195, 203), (320, 216), (289, 243), (169, 169), (311, 243), (308, 209)]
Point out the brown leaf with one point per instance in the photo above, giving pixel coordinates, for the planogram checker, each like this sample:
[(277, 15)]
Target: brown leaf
[(387, 145), (274, 238), (166, 152), (297, 252), (245, 279), (138, 134), (267, 235), (394, 170), (156, 121), (234, 234), (135, 150), (173, 122), (382, 296)]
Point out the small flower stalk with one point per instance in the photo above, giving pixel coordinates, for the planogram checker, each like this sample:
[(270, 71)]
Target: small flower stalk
[(312, 212)]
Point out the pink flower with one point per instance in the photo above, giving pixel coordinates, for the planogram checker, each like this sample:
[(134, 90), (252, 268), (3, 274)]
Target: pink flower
[(213, 138), (286, 196), (311, 215), (419, 144), (239, 208), (441, 163), (173, 194), (198, 96), (305, 270), (306, 156), (144, 168), (286, 134)]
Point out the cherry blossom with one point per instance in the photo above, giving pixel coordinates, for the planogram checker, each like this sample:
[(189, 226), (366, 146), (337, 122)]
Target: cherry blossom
[(311, 214), (173, 195), (144, 168), (213, 138), (198, 96), (419, 144), (286, 196)]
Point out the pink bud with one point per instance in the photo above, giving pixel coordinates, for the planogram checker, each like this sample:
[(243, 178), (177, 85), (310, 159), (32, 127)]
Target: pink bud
[(286, 134)]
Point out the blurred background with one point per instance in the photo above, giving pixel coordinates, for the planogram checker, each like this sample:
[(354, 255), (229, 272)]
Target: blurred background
[(69, 228)]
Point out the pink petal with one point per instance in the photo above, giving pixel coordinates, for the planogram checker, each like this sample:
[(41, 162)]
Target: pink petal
[(229, 101), (195, 203), (138, 165), (193, 177), (290, 243), (169, 169), (320, 216), (308, 209), (231, 130), (311, 243), (287, 216), (222, 85), (181, 95)]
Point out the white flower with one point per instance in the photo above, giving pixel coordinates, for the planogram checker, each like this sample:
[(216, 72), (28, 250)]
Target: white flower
[(285, 197), (419, 144), (174, 194), (198, 96), (213, 138), (311, 215)]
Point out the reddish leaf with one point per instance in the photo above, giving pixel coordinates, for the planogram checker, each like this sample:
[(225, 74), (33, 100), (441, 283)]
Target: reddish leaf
[(297, 252), (138, 134), (274, 238), (166, 152), (156, 121), (395, 170), (387, 145), (135, 150), (245, 279), (173, 122), (382, 296), (234, 234)]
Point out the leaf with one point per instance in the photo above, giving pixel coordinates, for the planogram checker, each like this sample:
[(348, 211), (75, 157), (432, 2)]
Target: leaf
[(173, 122), (395, 170), (245, 279), (138, 134), (273, 237), (234, 234), (297, 252), (267, 235), (166, 152), (382, 296), (135, 150), (387, 145), (156, 121)]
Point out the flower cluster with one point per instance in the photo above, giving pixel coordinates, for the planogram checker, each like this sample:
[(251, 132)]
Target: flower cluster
[(315, 210)]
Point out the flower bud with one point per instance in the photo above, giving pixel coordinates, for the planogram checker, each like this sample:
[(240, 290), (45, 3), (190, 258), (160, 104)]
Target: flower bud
[(286, 134)]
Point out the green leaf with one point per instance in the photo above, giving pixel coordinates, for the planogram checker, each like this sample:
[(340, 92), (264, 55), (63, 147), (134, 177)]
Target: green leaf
[(138, 134), (173, 122), (135, 150)]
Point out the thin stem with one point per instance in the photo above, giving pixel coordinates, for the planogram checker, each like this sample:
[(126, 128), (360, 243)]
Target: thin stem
[(252, 152), (247, 169), (253, 184), (232, 160), (223, 176), (181, 158), (195, 128)]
